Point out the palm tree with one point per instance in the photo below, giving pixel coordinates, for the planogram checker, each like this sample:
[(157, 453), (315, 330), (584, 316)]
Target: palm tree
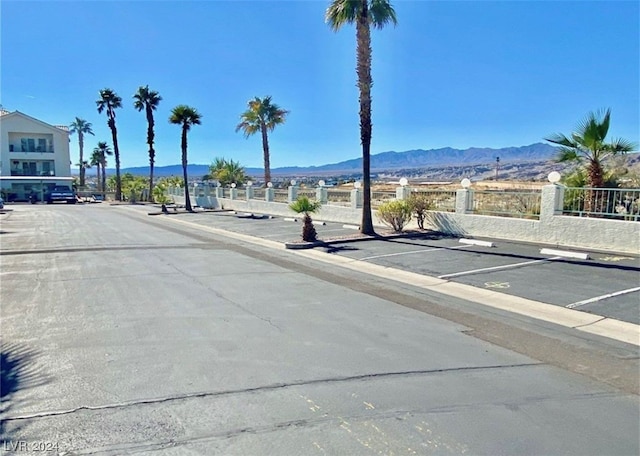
[(95, 160), (262, 116), (148, 100), (227, 172), (81, 127), (588, 144), (185, 116), (110, 101), (364, 13), (303, 205), (102, 151)]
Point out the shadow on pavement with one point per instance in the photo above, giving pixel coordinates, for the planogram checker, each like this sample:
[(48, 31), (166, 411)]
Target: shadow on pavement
[(18, 371)]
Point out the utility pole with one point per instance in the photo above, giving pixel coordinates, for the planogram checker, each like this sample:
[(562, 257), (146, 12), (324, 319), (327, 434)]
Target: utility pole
[(497, 166)]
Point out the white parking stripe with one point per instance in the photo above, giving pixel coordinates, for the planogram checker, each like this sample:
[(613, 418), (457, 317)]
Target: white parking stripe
[(413, 251), (600, 298), (497, 268)]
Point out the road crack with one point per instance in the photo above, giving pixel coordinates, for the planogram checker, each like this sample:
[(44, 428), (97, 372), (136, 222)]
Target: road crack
[(272, 387)]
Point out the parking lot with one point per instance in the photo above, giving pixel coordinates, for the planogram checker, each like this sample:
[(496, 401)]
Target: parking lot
[(606, 284)]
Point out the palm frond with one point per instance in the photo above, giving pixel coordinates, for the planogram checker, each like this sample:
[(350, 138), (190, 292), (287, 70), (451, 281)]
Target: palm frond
[(621, 146), (603, 125), (303, 205), (341, 12), (560, 139), (81, 126), (185, 115), (381, 13), (568, 154)]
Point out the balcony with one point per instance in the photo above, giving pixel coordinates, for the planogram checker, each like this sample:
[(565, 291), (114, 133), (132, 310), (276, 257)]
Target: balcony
[(30, 174), (36, 149)]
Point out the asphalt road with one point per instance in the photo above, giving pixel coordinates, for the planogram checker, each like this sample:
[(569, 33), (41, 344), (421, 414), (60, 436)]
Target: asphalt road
[(606, 284), (124, 334)]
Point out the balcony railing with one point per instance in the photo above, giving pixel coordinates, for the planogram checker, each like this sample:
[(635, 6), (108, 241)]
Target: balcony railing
[(42, 150), (32, 174)]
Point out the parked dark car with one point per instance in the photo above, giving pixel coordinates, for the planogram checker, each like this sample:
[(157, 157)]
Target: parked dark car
[(60, 193)]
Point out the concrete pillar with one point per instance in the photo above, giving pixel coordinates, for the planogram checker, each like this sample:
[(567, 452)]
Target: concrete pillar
[(269, 194), (219, 192), (249, 192), (403, 193), (356, 198), (233, 193), (464, 201), (551, 200), (293, 193), (322, 195)]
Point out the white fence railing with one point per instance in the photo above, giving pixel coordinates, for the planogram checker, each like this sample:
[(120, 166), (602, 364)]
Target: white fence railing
[(620, 204), (612, 203)]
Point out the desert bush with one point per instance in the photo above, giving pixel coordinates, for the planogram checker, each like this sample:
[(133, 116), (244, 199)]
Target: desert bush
[(395, 214), (420, 204)]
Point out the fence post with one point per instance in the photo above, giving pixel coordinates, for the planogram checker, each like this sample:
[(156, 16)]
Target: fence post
[(464, 201), (356, 198), (233, 192), (551, 200), (269, 193), (249, 191), (403, 193), (321, 195), (219, 192), (293, 193)]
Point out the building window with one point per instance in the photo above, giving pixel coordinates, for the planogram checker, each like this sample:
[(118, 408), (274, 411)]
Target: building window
[(28, 144)]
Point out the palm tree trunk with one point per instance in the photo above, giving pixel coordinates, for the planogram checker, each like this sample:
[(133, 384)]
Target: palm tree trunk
[(151, 155), (98, 186), (152, 152), (265, 150), (104, 180), (363, 36), (187, 200), (594, 199), (81, 146), (116, 153)]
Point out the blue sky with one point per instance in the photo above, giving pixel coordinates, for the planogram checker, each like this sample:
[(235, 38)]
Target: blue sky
[(452, 73)]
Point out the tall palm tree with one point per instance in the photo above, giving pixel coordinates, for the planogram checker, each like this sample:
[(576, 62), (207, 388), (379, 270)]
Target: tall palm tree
[(110, 101), (588, 144), (148, 100), (102, 151), (262, 116), (82, 127), (186, 116), (364, 13)]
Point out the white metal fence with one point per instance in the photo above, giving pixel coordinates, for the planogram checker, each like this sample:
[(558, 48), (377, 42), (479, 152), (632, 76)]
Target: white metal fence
[(612, 203), (507, 203)]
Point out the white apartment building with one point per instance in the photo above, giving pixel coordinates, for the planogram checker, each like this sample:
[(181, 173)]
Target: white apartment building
[(34, 156)]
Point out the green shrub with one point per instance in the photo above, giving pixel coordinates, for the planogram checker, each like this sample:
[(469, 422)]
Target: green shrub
[(395, 214), (420, 204), (159, 194)]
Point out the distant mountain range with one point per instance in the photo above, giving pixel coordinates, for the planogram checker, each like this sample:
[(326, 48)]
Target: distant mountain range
[(385, 161)]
